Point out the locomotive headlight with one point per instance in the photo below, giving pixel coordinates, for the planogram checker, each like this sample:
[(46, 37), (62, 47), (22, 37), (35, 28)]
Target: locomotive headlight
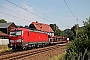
[(20, 40), (12, 41)]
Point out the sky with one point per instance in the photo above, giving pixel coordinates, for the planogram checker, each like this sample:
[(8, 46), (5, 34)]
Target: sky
[(23, 12)]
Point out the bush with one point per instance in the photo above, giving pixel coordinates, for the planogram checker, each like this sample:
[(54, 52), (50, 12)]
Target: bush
[(79, 48)]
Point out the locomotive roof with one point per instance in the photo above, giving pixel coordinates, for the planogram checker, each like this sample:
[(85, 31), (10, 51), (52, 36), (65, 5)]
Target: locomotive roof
[(20, 29), (25, 29)]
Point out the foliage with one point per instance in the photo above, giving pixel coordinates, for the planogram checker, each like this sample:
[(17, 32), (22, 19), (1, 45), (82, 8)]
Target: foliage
[(53, 26), (4, 48), (87, 27), (56, 30), (72, 33), (69, 33), (3, 21), (19, 26), (26, 26), (59, 57), (79, 45), (80, 49), (75, 29)]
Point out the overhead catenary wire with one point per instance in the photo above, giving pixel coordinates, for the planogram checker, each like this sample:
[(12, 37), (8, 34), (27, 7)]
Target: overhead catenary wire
[(13, 16), (74, 16), (70, 10), (34, 8), (27, 10), (39, 11), (14, 11)]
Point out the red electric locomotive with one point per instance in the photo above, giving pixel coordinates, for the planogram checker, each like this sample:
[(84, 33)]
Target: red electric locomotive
[(22, 38)]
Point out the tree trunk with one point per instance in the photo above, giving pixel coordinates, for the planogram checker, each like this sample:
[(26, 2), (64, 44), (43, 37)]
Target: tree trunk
[(84, 54), (89, 55)]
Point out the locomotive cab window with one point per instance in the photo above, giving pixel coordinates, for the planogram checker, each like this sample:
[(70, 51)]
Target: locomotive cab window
[(16, 33)]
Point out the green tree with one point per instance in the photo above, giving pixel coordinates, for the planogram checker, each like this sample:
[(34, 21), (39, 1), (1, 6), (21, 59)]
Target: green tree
[(3, 21), (69, 33), (53, 26), (80, 47), (56, 30), (26, 26), (19, 26), (75, 29), (87, 27)]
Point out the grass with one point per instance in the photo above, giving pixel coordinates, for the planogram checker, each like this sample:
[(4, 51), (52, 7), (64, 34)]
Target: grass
[(59, 57), (4, 48)]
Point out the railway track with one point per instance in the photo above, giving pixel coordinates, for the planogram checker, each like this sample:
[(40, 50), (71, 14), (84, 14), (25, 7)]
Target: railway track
[(8, 52), (21, 55)]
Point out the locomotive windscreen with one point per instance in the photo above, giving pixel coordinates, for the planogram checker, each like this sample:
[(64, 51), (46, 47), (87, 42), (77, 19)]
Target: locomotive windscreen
[(16, 33)]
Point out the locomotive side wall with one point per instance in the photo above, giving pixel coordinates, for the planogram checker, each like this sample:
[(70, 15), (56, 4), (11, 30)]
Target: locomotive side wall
[(38, 37)]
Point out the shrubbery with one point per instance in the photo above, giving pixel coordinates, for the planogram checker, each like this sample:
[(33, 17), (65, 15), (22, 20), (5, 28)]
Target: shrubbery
[(80, 47)]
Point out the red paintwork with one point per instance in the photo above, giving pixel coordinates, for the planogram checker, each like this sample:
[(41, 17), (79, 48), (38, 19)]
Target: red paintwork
[(38, 37), (15, 38), (31, 37)]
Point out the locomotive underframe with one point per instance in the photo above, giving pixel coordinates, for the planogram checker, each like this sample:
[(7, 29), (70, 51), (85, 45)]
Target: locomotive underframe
[(28, 45)]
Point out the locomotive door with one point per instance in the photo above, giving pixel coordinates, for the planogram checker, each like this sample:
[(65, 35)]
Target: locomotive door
[(28, 37)]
